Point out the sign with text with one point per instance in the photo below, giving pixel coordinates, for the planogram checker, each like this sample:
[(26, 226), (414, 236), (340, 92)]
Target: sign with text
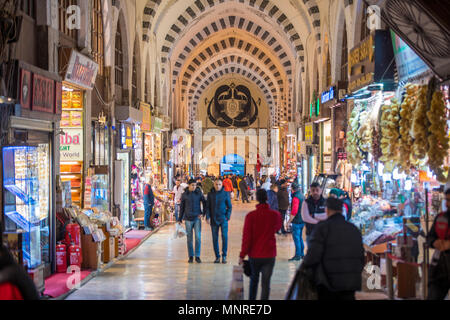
[(126, 136), (309, 133), (146, 125), (25, 89), (71, 145), (371, 61), (81, 71), (43, 94)]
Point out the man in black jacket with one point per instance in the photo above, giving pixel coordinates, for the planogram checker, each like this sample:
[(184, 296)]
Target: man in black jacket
[(191, 210), (336, 255), (218, 209), (244, 190), (283, 203)]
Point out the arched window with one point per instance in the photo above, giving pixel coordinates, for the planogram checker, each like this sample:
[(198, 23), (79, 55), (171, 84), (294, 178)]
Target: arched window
[(28, 7), (98, 49), (119, 57), (64, 26), (344, 56)]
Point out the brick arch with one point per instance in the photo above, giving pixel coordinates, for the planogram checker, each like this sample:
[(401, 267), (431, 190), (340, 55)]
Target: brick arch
[(150, 10)]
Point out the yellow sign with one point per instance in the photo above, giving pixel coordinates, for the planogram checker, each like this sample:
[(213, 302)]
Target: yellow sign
[(309, 133), (365, 51), (129, 139), (146, 125)]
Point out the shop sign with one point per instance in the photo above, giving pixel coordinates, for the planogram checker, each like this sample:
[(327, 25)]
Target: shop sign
[(126, 136), (409, 64), (146, 125), (309, 133), (302, 148), (328, 95), (327, 147), (371, 61), (81, 71), (157, 125), (71, 145), (25, 89), (43, 94)]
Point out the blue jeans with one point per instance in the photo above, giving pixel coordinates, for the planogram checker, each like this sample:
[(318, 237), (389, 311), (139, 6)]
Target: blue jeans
[(177, 210), (148, 215), (215, 236), (298, 239), (194, 226)]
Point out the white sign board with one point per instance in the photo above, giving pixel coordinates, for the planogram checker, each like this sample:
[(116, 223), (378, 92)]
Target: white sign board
[(71, 145)]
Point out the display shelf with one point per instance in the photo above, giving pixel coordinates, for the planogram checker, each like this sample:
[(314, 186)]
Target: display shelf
[(20, 194), (21, 221)]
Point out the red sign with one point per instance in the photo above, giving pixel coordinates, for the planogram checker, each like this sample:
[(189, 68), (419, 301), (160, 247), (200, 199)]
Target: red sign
[(25, 89), (81, 71), (43, 94)]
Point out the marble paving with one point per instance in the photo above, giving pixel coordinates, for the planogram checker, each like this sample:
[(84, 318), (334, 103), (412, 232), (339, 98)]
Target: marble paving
[(158, 269)]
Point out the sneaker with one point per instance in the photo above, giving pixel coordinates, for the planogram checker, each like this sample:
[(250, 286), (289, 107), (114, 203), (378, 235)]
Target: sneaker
[(224, 260), (217, 260), (191, 260), (295, 259), (198, 260)]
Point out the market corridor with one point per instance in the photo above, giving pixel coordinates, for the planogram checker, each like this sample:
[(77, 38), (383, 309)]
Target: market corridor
[(159, 268)]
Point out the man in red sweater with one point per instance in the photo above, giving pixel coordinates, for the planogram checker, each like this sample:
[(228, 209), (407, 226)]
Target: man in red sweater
[(260, 244)]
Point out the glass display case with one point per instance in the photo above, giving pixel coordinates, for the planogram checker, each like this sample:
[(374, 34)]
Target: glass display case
[(26, 181), (100, 192)]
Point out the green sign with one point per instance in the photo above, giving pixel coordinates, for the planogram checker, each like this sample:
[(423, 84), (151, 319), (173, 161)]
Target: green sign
[(157, 125), (314, 107)]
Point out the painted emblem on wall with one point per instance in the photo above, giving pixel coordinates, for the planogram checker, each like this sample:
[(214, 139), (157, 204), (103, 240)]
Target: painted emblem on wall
[(233, 106)]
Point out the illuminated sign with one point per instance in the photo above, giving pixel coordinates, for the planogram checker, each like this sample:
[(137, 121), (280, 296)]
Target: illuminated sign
[(126, 136), (309, 133), (328, 95)]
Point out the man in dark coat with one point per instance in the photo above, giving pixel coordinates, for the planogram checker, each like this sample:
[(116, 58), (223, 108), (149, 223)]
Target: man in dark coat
[(283, 202), (218, 211), (149, 203), (191, 211), (336, 255), (244, 190)]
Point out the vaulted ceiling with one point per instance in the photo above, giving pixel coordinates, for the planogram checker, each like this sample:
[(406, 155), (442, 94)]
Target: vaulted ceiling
[(201, 40)]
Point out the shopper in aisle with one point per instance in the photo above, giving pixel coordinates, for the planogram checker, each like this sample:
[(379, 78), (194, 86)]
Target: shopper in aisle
[(297, 222), (439, 239), (191, 211), (218, 213), (266, 184), (259, 243), (178, 191), (335, 255), (235, 187), (313, 210), (149, 203), (273, 197), (283, 203), (243, 187), (228, 185), (15, 284)]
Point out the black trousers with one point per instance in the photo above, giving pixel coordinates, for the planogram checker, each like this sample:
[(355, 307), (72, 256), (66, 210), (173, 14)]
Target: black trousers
[(327, 295), (283, 218), (265, 267), (244, 196), (438, 290)]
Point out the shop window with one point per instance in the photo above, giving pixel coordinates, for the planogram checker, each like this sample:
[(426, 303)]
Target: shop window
[(63, 5), (344, 56), (119, 57), (97, 36), (28, 7)]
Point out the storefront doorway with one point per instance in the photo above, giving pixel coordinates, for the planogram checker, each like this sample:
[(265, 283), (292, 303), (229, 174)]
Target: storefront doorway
[(232, 164), (124, 158)]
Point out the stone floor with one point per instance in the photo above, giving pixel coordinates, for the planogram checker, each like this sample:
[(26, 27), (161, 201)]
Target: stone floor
[(158, 270)]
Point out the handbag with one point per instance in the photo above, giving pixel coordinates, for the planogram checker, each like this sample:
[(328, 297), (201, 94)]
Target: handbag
[(303, 286)]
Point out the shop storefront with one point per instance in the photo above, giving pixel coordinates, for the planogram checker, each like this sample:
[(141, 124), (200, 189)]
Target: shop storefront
[(394, 163), (28, 162), (311, 154), (129, 163)]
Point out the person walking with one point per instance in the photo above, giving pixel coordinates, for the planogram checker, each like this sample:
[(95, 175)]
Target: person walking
[(313, 210), (259, 243), (228, 185), (272, 197), (297, 223), (178, 191), (335, 255), (266, 184), (439, 239), (244, 190), (235, 187), (218, 213), (283, 203), (149, 203), (191, 211)]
